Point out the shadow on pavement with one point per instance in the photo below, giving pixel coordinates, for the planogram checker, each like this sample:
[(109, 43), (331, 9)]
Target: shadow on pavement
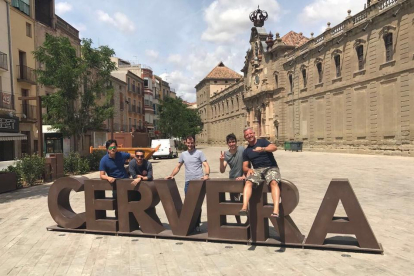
[(25, 193)]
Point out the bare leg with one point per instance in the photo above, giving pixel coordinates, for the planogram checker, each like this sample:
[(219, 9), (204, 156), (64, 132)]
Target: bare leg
[(274, 187), (247, 193)]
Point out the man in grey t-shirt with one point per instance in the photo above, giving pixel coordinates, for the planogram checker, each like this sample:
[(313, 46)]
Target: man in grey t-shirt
[(194, 160), (234, 158)]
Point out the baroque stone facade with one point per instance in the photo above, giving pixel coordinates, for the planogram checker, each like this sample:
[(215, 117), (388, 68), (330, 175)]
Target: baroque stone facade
[(350, 89)]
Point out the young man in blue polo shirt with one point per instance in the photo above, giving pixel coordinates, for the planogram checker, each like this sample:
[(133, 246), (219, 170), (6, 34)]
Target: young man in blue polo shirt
[(111, 166)]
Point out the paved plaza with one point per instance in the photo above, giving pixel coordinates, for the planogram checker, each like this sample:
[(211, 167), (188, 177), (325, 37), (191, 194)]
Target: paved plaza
[(384, 186)]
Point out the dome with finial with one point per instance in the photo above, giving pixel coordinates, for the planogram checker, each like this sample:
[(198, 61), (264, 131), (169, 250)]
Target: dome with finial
[(258, 17)]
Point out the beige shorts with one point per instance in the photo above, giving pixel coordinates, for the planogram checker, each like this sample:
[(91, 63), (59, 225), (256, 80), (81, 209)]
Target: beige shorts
[(264, 174)]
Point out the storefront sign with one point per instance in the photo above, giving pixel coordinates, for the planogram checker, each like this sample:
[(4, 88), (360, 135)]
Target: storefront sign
[(137, 214), (9, 124)]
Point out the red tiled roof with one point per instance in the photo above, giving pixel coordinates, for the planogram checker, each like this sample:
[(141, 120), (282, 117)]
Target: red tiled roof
[(222, 72), (294, 39)]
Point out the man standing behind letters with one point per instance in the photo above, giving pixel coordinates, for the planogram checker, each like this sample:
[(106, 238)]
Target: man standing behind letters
[(193, 160), (260, 153), (234, 158), (139, 168)]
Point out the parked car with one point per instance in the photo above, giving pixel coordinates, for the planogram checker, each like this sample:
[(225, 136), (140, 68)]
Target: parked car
[(168, 148)]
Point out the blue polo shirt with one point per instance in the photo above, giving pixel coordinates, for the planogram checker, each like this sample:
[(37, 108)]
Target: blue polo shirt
[(115, 167)]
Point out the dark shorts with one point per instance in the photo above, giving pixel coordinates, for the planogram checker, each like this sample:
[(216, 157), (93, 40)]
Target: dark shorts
[(264, 174)]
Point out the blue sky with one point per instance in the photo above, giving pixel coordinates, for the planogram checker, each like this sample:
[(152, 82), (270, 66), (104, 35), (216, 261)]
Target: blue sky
[(183, 40)]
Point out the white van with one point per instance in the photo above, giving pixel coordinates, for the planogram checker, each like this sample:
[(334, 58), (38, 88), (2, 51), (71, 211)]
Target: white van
[(167, 149)]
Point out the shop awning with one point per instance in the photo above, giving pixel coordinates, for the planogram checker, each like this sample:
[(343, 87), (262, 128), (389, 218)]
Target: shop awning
[(12, 136)]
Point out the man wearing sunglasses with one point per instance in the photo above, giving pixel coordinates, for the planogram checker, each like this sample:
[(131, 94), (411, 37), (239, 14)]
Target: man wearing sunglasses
[(139, 168), (112, 166)]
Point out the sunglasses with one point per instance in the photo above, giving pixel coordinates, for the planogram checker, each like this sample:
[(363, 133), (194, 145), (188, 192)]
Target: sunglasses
[(139, 156), (111, 148)]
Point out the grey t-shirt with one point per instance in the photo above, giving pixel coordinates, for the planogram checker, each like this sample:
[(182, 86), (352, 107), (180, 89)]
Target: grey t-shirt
[(235, 161), (193, 163)]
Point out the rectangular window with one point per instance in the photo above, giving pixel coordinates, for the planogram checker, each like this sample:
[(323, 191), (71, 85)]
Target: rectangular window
[(28, 29), (291, 83), (360, 54), (320, 74), (388, 47), (277, 81), (304, 78), (338, 65), (129, 84), (145, 82)]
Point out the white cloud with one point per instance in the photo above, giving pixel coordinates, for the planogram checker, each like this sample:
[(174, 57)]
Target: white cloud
[(152, 54), (174, 58), (226, 19), (63, 7), (334, 11), (119, 20)]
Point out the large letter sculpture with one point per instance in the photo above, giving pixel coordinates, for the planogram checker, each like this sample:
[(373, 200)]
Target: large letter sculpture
[(97, 204), (218, 208), (182, 217), (260, 212), (356, 223), (136, 207), (59, 204)]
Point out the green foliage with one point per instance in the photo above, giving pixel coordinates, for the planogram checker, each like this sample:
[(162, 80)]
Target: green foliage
[(177, 120), (31, 168), (94, 159), (81, 81), (75, 164), (17, 170)]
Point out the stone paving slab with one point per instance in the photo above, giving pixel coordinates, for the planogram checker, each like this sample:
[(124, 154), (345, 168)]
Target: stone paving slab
[(384, 186)]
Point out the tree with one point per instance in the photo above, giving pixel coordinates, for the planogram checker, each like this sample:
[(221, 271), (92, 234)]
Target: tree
[(80, 82), (177, 120)]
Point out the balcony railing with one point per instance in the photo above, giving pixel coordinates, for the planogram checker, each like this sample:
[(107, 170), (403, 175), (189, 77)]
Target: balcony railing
[(6, 100), (386, 3), (22, 6), (3, 61), (28, 112), (26, 74)]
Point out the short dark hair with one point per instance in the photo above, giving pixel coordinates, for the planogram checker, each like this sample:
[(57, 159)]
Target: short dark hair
[(190, 137), (231, 136), (109, 142), (139, 150)]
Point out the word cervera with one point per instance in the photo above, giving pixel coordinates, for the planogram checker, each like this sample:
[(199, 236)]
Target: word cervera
[(136, 213)]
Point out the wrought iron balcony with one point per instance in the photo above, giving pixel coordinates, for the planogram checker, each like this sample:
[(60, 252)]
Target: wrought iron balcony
[(3, 62), (6, 100), (26, 74)]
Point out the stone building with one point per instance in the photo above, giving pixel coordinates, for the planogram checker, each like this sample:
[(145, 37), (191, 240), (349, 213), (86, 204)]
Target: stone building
[(219, 102), (350, 89)]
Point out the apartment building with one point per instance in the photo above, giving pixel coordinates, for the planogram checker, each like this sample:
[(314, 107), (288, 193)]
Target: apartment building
[(134, 98)]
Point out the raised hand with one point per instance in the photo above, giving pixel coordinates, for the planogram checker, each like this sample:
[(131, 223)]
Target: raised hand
[(221, 156)]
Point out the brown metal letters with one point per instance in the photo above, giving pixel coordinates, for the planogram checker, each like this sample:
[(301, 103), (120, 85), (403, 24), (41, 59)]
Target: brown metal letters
[(136, 210), (59, 205), (356, 223), (260, 212), (136, 207), (182, 217), (218, 208), (96, 205)]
